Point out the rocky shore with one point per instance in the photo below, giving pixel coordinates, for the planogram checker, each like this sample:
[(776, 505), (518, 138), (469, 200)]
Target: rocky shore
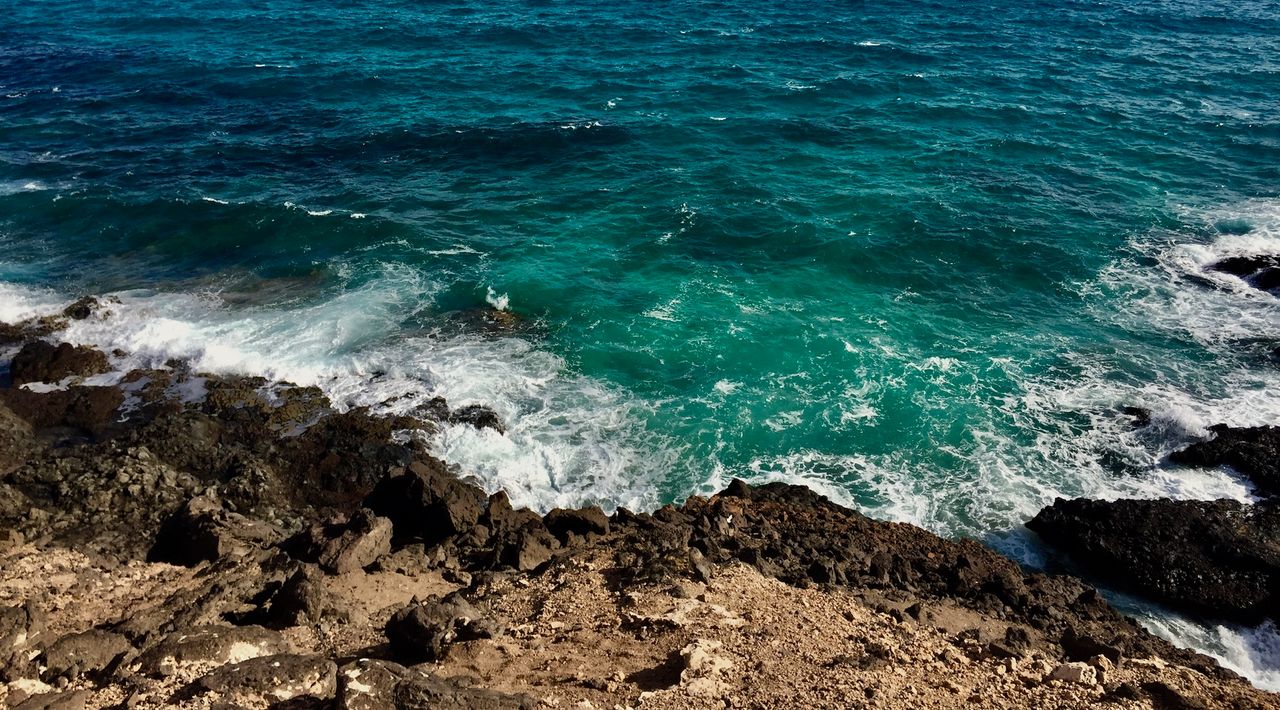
[(170, 538)]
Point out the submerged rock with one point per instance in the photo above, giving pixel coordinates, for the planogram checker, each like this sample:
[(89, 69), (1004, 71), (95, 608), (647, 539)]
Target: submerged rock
[(1219, 559)]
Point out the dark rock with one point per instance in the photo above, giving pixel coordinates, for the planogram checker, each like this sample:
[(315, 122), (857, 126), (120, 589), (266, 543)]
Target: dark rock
[(371, 684), (581, 521), (365, 538), (41, 361), (423, 630), (425, 502), (90, 410), (1082, 647), (1260, 271), (62, 700), (301, 598), (82, 308), (203, 531), (1141, 416), (1166, 697), (478, 416), (1253, 451), (274, 678), (90, 653), (212, 645), (21, 628), (529, 549), (1214, 558)]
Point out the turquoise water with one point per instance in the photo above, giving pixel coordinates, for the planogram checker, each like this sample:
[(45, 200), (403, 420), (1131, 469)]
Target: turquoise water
[(915, 255)]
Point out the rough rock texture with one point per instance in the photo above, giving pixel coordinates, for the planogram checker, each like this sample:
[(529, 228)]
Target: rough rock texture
[(424, 630), (1215, 558), (40, 361), (1253, 451), (1261, 271), (305, 539)]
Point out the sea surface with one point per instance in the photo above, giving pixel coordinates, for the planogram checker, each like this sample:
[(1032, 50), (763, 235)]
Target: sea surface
[(915, 255)]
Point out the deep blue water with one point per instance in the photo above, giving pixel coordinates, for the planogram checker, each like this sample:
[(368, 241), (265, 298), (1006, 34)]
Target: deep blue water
[(915, 255)]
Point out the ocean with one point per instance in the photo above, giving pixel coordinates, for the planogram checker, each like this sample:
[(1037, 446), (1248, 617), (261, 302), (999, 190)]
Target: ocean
[(917, 256)]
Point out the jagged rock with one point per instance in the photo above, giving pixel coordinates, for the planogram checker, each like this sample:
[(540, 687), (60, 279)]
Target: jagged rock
[(203, 531), (423, 630), (82, 308), (370, 684), (1215, 558), (1253, 451), (427, 503), (207, 646), (703, 668), (86, 653), (60, 700), (41, 361), (21, 627), (529, 549), (1260, 271), (272, 679), (84, 408), (581, 521), (364, 539), (478, 416), (303, 597)]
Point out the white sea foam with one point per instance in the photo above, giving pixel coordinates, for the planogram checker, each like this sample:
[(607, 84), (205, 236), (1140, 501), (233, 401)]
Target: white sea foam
[(499, 301), (214, 200), (570, 439)]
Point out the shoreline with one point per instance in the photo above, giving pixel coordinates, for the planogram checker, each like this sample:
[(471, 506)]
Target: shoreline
[(271, 511)]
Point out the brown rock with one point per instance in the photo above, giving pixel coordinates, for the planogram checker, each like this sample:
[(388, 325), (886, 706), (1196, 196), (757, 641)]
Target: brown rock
[(273, 679), (40, 361)]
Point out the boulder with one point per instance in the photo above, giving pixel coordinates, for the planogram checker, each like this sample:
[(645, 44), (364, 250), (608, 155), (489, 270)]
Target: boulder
[(273, 679), (91, 653), (424, 630), (581, 521), (1253, 451), (478, 416), (303, 597), (41, 361), (365, 538), (21, 627), (528, 549), (1219, 559), (1075, 672), (425, 502), (204, 647), (203, 530)]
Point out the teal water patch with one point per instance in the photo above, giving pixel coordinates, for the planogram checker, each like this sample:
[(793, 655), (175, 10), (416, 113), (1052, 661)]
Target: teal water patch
[(918, 256)]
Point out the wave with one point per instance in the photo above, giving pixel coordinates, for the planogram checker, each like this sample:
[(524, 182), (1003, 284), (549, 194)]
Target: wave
[(570, 440)]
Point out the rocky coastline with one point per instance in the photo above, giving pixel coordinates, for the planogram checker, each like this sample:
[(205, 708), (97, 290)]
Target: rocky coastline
[(170, 538)]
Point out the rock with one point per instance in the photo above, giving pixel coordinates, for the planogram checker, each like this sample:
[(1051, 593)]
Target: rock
[(702, 671), (1253, 451), (82, 309), (1075, 672), (208, 646), (91, 653), (529, 549), (303, 597), (1260, 271), (478, 416), (21, 627), (1214, 558), (273, 679), (40, 361), (365, 538), (64, 700), (1166, 697), (581, 521), (423, 630), (204, 531), (427, 503), (1141, 416), (369, 684)]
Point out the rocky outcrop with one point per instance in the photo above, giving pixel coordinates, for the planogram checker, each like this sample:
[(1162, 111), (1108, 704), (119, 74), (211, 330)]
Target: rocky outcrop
[(1219, 559), (1253, 451), (41, 361), (1260, 271), (424, 630)]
